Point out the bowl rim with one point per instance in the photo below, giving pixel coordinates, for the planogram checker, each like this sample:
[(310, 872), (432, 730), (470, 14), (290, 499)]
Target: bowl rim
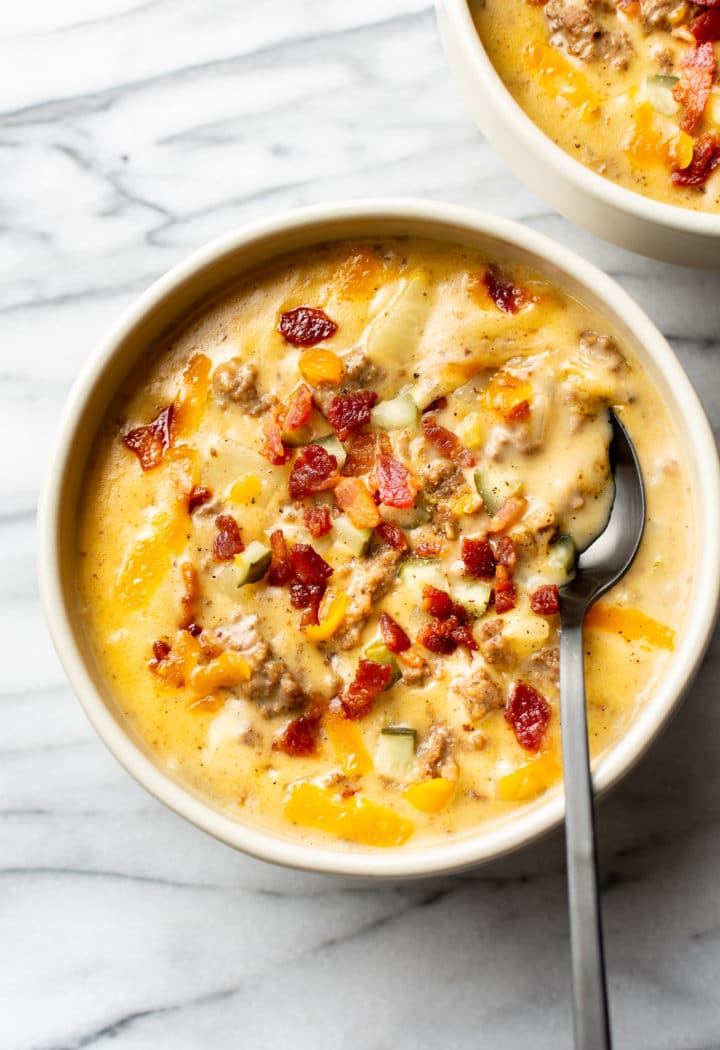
[(497, 839), (589, 182)]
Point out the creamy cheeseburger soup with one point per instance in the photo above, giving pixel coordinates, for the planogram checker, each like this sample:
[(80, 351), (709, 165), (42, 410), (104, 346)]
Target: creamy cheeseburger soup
[(628, 87), (324, 527)]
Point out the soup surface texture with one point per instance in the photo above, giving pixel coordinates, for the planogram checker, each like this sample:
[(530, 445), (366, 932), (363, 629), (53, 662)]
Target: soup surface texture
[(628, 87), (323, 529)]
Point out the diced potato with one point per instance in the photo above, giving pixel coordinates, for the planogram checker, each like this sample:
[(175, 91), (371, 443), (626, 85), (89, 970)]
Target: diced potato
[(525, 631)]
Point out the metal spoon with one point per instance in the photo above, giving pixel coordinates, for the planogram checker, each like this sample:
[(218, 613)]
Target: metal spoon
[(600, 566)]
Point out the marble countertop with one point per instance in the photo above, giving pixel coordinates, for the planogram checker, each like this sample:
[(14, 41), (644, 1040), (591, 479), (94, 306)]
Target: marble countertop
[(132, 131)]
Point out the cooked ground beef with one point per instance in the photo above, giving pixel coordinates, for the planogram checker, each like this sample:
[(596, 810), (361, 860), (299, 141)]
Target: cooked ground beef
[(443, 482), (235, 381), (480, 691), (494, 646), (360, 373), (574, 26), (367, 579), (603, 349), (544, 666), (271, 685), (434, 756), (664, 14)]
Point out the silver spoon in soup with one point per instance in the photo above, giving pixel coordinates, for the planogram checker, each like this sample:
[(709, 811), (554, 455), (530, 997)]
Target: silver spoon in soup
[(599, 567)]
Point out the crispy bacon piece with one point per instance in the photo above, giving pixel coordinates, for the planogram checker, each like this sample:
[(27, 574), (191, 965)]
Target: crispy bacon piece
[(506, 554), (361, 455), (300, 736), (479, 558), (272, 447), (299, 408), (354, 497), (194, 629), (167, 665), (693, 89), (306, 326), (280, 568), (504, 593), (393, 635), (314, 470), (446, 442), (545, 600), (349, 412), (440, 605), (510, 512), (436, 405), (370, 681), (508, 297), (197, 496), (529, 714), (706, 27), (430, 550), (317, 521), (151, 442), (311, 573), (392, 535), (706, 158), (519, 412), (228, 541), (190, 595), (444, 636), (396, 485)]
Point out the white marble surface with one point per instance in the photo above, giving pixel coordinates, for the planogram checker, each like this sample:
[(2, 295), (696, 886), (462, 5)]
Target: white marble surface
[(131, 131)]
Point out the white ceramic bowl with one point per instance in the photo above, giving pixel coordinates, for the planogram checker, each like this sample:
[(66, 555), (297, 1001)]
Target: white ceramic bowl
[(205, 273), (662, 231)]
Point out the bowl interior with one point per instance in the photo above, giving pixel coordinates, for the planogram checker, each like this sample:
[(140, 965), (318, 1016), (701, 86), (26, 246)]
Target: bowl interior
[(205, 275)]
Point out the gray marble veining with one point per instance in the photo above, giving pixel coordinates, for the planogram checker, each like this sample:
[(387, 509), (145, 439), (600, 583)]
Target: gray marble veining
[(130, 133)]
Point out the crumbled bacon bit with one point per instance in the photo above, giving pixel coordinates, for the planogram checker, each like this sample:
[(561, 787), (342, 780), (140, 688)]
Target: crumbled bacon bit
[(197, 496), (272, 448), (361, 455), (693, 89), (505, 595), (370, 681), (160, 650), (314, 470), (506, 554), (317, 521), (396, 485), (191, 593), (545, 600), (151, 442), (430, 550), (508, 297), (437, 405), (311, 573), (392, 535), (349, 412), (440, 605), (280, 569), (529, 714), (306, 326), (393, 635), (299, 408), (194, 629), (706, 158), (706, 27), (300, 736), (479, 558), (519, 412), (446, 442), (444, 636), (167, 665), (228, 541)]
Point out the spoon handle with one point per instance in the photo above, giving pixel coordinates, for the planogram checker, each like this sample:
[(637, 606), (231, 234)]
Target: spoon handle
[(590, 1009)]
